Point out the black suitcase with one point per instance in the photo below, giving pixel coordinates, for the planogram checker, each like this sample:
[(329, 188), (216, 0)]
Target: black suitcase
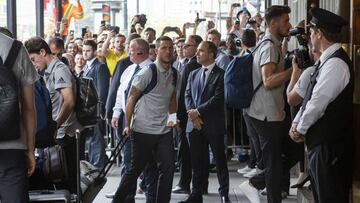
[(99, 182)]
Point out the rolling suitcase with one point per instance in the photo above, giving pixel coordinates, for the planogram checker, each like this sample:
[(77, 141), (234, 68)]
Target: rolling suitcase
[(50, 196), (94, 187)]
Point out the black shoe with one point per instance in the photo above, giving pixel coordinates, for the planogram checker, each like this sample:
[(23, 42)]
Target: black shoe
[(180, 190), (225, 199), (193, 198), (302, 183)]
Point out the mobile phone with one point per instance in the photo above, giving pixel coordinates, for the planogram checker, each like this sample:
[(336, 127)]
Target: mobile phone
[(72, 32), (103, 23), (83, 31), (115, 29), (236, 5), (172, 29), (251, 21), (191, 25), (152, 46), (237, 22)]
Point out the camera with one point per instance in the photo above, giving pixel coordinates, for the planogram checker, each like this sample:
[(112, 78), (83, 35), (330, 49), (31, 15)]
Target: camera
[(103, 23), (301, 53), (141, 20), (199, 20), (152, 46), (83, 31), (72, 32), (251, 21), (115, 29)]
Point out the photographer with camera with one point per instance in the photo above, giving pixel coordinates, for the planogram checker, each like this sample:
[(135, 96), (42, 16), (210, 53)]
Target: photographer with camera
[(240, 22), (113, 55), (138, 23), (299, 82)]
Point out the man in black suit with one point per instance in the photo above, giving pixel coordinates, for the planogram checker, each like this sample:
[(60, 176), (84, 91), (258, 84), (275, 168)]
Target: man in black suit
[(101, 75), (184, 162), (204, 100)]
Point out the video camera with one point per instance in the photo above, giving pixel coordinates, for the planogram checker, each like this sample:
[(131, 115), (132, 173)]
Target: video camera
[(301, 53)]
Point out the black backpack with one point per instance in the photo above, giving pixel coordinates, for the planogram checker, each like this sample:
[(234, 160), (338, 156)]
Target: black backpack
[(153, 81), (9, 96), (88, 105)]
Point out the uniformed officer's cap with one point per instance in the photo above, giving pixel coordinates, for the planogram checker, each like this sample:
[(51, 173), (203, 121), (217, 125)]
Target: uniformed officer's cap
[(326, 20)]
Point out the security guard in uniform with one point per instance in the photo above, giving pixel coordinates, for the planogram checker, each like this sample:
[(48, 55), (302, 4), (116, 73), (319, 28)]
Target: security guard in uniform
[(325, 119)]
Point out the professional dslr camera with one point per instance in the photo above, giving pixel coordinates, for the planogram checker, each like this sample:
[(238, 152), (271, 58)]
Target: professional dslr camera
[(301, 53)]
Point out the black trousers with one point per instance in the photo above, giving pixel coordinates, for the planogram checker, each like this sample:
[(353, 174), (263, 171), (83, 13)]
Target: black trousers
[(184, 159), (270, 137), (199, 144), (13, 176), (255, 156), (143, 147), (330, 168)]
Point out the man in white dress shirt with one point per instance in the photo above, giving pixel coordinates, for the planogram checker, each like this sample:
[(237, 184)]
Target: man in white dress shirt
[(324, 121)]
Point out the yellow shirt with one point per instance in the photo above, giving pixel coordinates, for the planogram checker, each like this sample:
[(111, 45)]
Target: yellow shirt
[(112, 58)]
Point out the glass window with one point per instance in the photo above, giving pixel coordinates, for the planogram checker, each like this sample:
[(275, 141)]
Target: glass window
[(26, 19), (3, 12)]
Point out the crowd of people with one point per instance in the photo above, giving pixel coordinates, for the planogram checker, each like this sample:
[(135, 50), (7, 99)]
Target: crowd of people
[(157, 89)]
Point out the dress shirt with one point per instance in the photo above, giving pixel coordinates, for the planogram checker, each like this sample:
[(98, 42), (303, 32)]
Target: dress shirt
[(124, 82), (88, 65), (333, 77), (209, 69)]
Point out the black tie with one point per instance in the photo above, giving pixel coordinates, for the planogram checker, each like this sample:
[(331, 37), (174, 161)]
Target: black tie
[(203, 79), (132, 78)]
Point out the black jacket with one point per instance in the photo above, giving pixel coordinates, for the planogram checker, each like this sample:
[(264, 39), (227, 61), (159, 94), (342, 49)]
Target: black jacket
[(181, 112), (209, 102), (120, 67)]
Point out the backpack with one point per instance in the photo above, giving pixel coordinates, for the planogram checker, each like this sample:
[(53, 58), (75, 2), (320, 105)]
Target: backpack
[(238, 83), (153, 81), (46, 126), (88, 105), (9, 96)]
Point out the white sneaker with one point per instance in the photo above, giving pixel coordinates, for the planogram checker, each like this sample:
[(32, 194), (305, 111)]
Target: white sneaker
[(250, 192), (251, 173), (244, 170), (110, 195)]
